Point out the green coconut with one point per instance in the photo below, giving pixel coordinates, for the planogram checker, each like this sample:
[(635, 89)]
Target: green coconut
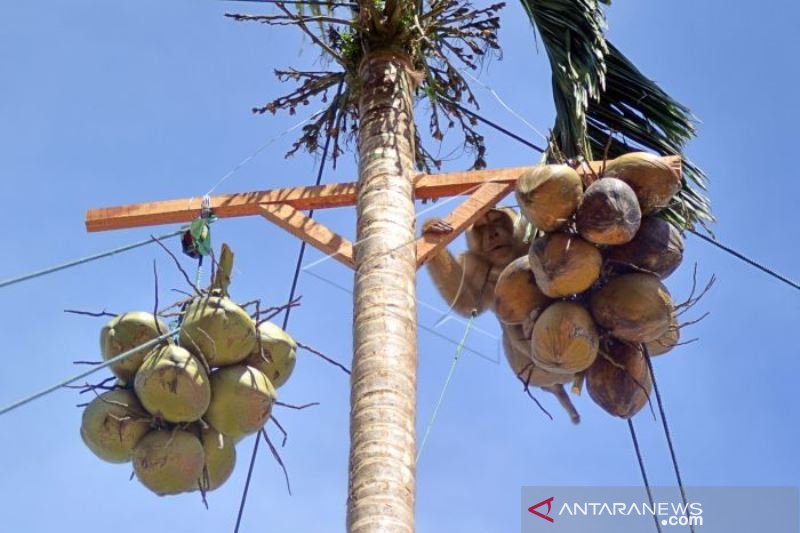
[(565, 339), (633, 307), (517, 350), (218, 329), (172, 385), (516, 294), (657, 249), (619, 380), (667, 341), (112, 424), (549, 195), (125, 332), (275, 356), (242, 400), (653, 181), (564, 264), (220, 457), (169, 461), (609, 213)]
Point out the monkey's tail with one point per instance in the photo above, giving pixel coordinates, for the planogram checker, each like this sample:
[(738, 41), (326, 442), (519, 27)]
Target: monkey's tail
[(565, 401)]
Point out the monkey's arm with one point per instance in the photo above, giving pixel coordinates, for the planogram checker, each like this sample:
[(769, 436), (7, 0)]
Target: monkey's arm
[(460, 281)]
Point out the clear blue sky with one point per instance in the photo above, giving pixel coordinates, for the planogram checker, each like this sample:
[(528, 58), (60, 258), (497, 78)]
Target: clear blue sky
[(103, 103)]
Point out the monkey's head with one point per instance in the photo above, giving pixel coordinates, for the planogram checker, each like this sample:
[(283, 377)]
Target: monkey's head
[(498, 236)]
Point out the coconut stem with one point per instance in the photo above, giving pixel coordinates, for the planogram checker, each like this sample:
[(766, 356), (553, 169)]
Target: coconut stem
[(577, 383)]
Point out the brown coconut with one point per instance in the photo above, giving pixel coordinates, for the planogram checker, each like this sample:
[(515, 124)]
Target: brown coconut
[(633, 307), (619, 380), (549, 195), (517, 350), (112, 424), (169, 461), (667, 341), (125, 332), (274, 354), (219, 330), (173, 385), (609, 213), (564, 264), (657, 249), (565, 339), (516, 294), (653, 181), (242, 401), (220, 456)]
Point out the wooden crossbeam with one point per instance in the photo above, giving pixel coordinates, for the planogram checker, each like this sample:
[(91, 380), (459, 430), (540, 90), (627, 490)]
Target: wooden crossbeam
[(428, 186), (462, 217), (311, 231)]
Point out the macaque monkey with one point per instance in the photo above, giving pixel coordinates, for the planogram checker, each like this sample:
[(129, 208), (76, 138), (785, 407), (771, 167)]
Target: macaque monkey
[(467, 283), (493, 241)]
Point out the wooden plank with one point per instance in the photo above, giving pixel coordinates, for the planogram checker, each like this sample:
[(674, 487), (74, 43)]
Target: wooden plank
[(316, 234), (224, 206), (474, 207), (428, 186)]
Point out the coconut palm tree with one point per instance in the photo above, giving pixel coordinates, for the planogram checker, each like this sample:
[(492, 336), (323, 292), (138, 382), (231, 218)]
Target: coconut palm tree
[(385, 55)]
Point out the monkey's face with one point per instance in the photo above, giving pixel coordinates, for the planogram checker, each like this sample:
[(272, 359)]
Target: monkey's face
[(495, 235)]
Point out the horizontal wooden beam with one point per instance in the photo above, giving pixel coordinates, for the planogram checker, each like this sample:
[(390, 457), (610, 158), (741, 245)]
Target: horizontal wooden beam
[(316, 234), (428, 186), (478, 203)]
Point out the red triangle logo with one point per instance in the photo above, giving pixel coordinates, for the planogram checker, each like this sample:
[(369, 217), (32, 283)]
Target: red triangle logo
[(549, 503)]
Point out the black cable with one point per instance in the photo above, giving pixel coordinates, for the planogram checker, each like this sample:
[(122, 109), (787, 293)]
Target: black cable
[(292, 291), (494, 125), (299, 3), (644, 473), (746, 259), (667, 432)]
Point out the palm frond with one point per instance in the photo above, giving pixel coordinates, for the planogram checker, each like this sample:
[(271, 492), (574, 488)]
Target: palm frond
[(606, 106)]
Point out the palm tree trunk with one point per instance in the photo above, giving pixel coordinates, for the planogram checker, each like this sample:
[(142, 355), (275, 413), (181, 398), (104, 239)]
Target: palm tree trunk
[(383, 397)]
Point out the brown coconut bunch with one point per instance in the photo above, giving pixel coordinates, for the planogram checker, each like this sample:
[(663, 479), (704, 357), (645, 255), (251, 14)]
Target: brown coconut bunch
[(633, 307), (242, 401), (549, 195), (125, 332), (667, 341), (564, 264), (517, 349), (653, 181), (169, 461), (619, 380), (609, 213), (220, 457), (565, 339), (113, 424), (173, 385), (516, 294), (657, 249)]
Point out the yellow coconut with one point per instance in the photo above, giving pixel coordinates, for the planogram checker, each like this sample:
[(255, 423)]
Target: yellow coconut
[(169, 461), (172, 384), (125, 332), (609, 213), (633, 307), (653, 181), (667, 341), (218, 329), (657, 249), (517, 350), (564, 264), (516, 294), (619, 380), (275, 355), (242, 401), (549, 195), (112, 424), (220, 457), (565, 338)]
